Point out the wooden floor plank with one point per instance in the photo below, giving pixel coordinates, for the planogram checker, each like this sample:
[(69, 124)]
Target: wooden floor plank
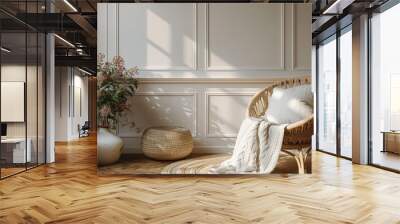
[(70, 191)]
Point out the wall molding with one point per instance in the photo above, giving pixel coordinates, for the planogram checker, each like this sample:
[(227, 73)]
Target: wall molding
[(170, 94), (206, 80), (294, 66), (207, 112), (241, 68)]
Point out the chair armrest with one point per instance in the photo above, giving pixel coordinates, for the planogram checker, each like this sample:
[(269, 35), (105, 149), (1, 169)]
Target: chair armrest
[(301, 126)]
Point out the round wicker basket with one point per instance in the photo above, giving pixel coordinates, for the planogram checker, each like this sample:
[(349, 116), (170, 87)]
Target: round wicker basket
[(167, 143)]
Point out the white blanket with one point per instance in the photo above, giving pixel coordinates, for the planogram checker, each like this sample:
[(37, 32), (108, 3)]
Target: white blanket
[(256, 150)]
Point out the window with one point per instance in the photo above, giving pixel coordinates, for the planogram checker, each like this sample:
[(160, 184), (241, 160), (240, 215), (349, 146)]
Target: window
[(327, 96), (385, 89), (334, 103), (346, 93)]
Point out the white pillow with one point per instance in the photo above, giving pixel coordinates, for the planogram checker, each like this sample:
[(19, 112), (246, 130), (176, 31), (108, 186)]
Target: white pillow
[(290, 105)]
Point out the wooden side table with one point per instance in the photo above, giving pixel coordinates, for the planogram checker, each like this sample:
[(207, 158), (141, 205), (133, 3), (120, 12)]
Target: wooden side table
[(391, 141)]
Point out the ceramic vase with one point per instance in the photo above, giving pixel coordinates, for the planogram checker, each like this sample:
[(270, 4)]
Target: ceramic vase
[(109, 147)]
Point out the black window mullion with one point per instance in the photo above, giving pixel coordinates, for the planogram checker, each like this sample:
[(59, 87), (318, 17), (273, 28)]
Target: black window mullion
[(338, 73), (317, 97), (26, 87), (37, 90), (369, 79)]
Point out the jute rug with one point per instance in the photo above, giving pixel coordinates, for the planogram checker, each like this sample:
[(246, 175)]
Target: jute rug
[(195, 164)]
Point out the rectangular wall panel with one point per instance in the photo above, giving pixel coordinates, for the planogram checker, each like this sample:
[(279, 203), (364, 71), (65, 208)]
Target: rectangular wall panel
[(245, 36), (225, 112), (159, 109), (112, 31), (301, 37), (158, 36)]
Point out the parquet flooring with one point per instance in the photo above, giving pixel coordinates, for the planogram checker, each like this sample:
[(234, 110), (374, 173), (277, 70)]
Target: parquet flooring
[(70, 191)]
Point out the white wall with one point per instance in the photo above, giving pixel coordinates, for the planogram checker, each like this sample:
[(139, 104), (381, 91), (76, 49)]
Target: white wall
[(201, 63), (80, 101), (18, 73), (71, 96)]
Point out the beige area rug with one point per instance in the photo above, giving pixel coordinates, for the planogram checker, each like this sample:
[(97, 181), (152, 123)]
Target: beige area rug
[(197, 165), (194, 164)]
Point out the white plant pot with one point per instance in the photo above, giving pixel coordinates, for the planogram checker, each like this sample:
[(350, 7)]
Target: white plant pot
[(109, 147)]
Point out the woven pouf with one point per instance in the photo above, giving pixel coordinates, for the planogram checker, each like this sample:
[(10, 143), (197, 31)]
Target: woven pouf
[(167, 143)]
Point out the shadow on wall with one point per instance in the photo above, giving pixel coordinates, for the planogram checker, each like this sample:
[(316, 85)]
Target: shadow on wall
[(158, 109)]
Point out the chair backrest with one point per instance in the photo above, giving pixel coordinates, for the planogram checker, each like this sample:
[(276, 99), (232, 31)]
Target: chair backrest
[(292, 82), (86, 125)]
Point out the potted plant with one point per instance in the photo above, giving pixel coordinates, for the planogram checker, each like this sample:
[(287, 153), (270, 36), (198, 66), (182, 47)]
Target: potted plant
[(115, 84)]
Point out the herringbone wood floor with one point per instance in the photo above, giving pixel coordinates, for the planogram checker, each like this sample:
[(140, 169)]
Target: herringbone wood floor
[(70, 191)]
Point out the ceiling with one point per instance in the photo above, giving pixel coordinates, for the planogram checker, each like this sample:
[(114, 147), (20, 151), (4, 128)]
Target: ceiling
[(74, 22)]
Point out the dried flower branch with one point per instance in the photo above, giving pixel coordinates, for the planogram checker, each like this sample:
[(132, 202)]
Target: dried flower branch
[(115, 84)]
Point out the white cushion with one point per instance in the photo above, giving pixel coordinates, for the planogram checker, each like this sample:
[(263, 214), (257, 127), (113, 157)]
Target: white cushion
[(290, 105)]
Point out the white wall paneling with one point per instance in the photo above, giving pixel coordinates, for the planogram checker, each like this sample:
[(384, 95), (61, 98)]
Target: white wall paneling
[(212, 111), (200, 63), (224, 112), (208, 40)]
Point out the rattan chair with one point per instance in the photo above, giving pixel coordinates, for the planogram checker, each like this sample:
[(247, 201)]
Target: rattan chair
[(297, 136)]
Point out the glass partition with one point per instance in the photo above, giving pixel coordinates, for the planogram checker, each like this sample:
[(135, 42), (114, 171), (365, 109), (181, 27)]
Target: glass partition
[(13, 94), (22, 66)]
